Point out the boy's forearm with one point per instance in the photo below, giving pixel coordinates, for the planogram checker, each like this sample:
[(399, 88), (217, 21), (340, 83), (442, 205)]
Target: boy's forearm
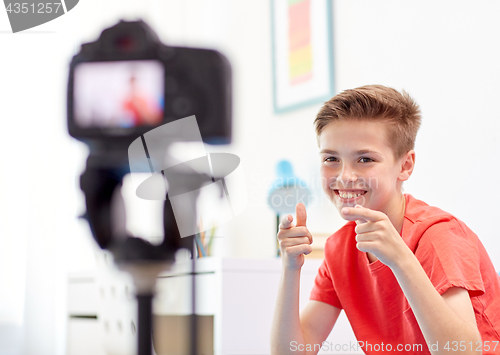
[(286, 322), (438, 322)]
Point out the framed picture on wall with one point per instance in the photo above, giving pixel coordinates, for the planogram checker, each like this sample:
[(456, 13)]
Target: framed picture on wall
[(302, 53)]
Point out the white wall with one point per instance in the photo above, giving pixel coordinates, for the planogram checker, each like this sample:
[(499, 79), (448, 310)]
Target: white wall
[(443, 53)]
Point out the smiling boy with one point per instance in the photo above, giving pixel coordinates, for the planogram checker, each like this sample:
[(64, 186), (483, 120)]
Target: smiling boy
[(410, 277)]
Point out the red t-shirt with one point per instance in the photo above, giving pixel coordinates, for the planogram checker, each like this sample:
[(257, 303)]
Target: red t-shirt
[(449, 252)]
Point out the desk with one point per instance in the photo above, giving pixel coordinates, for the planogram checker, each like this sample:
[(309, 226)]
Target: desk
[(235, 298)]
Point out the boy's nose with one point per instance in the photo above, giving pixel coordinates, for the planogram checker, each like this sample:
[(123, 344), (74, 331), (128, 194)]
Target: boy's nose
[(347, 175)]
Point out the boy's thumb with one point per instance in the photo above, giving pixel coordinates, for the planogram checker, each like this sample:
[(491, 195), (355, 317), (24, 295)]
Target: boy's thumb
[(300, 212)]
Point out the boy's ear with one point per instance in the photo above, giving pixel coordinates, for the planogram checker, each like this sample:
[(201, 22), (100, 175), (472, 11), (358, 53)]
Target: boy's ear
[(407, 165)]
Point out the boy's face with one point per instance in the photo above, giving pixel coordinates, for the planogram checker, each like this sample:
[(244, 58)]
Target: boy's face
[(358, 166)]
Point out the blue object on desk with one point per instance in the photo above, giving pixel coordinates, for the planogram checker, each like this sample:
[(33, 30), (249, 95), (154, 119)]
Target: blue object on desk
[(287, 189)]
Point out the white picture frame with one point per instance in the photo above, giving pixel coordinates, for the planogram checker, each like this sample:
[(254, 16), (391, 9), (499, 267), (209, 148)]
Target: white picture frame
[(302, 53)]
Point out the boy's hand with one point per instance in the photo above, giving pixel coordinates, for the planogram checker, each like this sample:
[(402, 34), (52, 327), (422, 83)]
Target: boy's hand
[(376, 234), (294, 240)]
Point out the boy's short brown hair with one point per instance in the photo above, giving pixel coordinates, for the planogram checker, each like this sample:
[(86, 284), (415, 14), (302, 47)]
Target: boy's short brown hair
[(376, 103)]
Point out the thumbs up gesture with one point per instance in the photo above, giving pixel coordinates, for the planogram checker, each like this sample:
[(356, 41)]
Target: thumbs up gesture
[(294, 241)]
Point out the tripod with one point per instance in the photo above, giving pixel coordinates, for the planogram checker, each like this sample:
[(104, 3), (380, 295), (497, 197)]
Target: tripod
[(142, 260)]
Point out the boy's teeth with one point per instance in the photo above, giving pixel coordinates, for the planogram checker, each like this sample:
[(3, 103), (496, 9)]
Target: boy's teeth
[(349, 194)]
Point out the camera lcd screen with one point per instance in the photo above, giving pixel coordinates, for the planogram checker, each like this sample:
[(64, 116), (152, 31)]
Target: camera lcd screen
[(118, 94)]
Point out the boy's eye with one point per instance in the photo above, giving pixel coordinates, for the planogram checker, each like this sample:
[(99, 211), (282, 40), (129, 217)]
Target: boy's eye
[(365, 160), (330, 159)]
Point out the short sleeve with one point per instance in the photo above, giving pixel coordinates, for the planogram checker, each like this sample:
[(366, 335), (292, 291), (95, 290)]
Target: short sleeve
[(448, 252), (323, 289)]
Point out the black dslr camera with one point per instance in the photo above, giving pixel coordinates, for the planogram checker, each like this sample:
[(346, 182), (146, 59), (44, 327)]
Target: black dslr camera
[(178, 81), (120, 87)]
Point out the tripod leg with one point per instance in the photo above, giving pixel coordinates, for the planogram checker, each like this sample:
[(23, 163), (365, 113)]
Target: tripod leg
[(145, 326), (193, 324)]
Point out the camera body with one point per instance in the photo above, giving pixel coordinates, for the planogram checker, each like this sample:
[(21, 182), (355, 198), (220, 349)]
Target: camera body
[(128, 82)]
